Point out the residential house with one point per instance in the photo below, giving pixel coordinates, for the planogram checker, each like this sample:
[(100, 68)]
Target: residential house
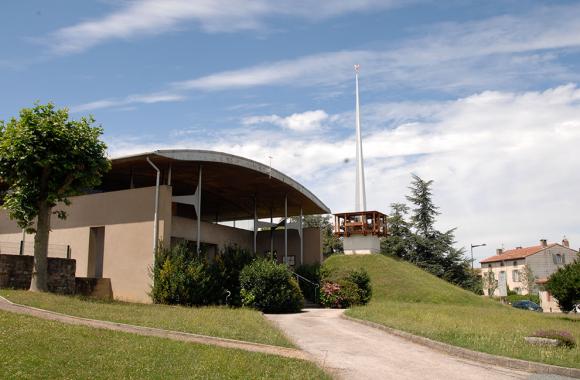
[(509, 268)]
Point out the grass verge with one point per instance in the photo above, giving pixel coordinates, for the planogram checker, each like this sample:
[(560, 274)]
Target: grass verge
[(242, 324), (409, 299), (36, 348)]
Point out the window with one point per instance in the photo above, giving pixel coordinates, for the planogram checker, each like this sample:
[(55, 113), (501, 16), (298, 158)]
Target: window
[(489, 265), (515, 263), (501, 264), (558, 259), (516, 276)]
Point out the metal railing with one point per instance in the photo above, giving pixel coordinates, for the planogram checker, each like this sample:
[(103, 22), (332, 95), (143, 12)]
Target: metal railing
[(311, 283), (27, 248)]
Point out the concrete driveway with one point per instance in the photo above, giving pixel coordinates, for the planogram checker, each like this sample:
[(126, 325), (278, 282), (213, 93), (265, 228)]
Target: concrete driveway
[(354, 351)]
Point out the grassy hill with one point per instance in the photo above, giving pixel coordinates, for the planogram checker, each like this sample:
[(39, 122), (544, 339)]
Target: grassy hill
[(410, 299), (400, 281)]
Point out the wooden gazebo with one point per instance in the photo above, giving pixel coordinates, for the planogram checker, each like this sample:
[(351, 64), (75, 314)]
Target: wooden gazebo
[(364, 223)]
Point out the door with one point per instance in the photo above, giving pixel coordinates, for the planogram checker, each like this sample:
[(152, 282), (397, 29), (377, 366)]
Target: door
[(96, 252), (502, 284)]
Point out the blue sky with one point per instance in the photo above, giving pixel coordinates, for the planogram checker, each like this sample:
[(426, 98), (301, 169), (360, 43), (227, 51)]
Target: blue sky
[(481, 97)]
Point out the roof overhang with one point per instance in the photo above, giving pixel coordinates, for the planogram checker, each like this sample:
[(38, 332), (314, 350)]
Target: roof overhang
[(232, 186)]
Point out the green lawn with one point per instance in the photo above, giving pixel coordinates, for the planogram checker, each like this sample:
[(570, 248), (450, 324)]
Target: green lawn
[(33, 348), (224, 322), (409, 299)]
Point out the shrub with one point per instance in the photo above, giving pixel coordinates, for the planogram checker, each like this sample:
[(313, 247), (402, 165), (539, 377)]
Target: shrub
[(269, 287), (345, 289), (330, 295), (564, 285), (521, 297), (363, 282), (341, 294), (564, 337), (181, 277), (226, 268)]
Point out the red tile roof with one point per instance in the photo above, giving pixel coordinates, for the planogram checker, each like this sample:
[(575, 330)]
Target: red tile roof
[(518, 253)]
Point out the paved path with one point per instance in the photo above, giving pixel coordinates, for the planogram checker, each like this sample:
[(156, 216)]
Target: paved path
[(6, 305), (354, 351)]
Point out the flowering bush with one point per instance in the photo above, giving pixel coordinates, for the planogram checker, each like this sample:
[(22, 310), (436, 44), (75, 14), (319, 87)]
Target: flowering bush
[(341, 294), (341, 289), (330, 295), (564, 337)]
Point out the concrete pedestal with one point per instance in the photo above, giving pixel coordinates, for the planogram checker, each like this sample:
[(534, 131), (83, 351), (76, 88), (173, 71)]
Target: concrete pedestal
[(361, 245)]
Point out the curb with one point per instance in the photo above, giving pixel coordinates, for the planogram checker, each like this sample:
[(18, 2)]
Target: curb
[(9, 306), (481, 357)]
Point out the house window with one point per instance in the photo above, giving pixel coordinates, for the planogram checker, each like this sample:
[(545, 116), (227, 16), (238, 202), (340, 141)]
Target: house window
[(558, 259), (489, 265), (501, 264), (516, 276), (515, 263)]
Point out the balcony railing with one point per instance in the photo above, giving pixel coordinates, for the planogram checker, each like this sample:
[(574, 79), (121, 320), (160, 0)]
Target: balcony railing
[(360, 223)]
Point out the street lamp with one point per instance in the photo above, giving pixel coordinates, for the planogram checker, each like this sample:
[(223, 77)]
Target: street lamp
[(475, 246)]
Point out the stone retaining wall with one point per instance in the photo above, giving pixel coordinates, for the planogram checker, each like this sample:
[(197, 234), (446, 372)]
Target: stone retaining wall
[(94, 287), (16, 273)]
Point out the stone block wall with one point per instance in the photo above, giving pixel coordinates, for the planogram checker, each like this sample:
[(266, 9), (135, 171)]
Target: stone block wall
[(61, 275), (94, 287), (16, 273)]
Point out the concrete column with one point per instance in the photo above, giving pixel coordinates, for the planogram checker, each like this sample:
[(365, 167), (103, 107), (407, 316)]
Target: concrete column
[(271, 233), (286, 229), (156, 212), (301, 238), (199, 213), (255, 248)]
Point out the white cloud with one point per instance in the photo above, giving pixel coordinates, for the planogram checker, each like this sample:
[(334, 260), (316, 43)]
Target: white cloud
[(502, 53), (300, 122), (149, 17), (158, 97), (504, 163)]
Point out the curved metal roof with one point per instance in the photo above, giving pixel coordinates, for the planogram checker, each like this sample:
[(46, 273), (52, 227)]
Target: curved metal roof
[(230, 184)]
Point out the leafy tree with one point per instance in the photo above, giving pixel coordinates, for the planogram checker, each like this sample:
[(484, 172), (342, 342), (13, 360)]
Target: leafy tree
[(419, 242), (45, 158), (528, 279), (490, 283), (425, 211), (397, 243), (564, 285)]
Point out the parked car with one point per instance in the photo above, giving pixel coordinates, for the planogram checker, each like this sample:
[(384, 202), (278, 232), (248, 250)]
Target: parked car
[(527, 305)]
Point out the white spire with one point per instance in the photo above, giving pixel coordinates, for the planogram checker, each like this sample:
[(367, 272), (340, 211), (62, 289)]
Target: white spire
[(361, 198)]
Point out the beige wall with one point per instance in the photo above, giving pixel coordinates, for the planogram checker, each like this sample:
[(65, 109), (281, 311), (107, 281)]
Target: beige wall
[(548, 302), (312, 244), (222, 236), (127, 216), (509, 267), (211, 233)]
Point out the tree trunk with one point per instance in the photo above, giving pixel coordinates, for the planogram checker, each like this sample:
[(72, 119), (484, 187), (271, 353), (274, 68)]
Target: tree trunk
[(39, 271)]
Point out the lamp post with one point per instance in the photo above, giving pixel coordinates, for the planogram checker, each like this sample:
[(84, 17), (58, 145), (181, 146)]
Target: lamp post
[(475, 246)]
